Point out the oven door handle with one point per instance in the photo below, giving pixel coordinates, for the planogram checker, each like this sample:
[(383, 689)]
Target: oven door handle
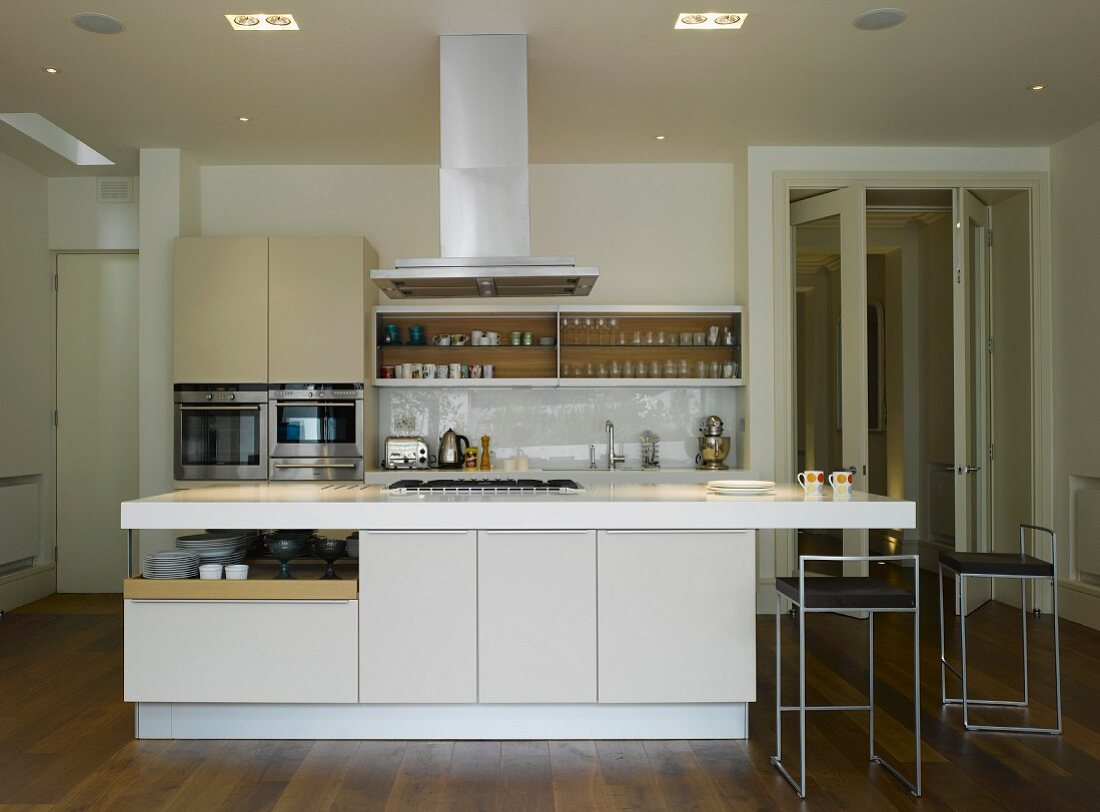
[(314, 464), (315, 402), (211, 407)]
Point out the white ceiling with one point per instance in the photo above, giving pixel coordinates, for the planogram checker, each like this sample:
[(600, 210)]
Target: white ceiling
[(359, 82)]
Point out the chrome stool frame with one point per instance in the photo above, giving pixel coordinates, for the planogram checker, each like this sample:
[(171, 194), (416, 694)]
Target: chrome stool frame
[(777, 760), (945, 666)]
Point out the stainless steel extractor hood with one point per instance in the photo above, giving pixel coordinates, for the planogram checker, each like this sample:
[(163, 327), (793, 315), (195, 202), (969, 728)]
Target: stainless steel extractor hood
[(484, 206)]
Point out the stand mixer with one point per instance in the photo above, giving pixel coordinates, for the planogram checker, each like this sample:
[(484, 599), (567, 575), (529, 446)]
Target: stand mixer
[(713, 447)]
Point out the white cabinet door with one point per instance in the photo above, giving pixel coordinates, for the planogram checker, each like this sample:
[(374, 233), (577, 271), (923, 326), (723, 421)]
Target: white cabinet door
[(317, 313), (240, 651), (418, 616), (677, 616), (537, 616), (219, 305)]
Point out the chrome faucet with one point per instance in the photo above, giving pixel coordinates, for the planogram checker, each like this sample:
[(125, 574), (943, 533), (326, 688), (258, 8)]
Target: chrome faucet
[(612, 457)]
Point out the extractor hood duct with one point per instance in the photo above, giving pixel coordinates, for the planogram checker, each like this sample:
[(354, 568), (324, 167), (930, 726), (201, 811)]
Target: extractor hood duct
[(484, 206)]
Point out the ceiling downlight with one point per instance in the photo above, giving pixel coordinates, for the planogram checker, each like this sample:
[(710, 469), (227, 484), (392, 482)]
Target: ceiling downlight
[(710, 21), (97, 22), (1038, 86), (879, 19), (262, 21), (50, 69)]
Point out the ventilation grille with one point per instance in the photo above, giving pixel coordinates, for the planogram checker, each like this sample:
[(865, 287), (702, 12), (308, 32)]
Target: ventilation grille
[(114, 190)]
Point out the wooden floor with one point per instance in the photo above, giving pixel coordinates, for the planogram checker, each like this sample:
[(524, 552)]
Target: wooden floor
[(66, 737)]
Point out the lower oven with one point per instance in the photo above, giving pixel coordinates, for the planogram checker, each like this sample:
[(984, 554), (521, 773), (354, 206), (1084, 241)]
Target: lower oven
[(316, 431), (220, 431)]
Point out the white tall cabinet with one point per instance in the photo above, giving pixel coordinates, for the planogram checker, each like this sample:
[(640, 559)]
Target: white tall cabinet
[(219, 302), (318, 291), (418, 616), (537, 616)]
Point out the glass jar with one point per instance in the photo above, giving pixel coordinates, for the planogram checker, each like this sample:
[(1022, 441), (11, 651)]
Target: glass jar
[(700, 369), (669, 369), (636, 338), (628, 369), (683, 368), (685, 339), (601, 370), (614, 370), (654, 369)]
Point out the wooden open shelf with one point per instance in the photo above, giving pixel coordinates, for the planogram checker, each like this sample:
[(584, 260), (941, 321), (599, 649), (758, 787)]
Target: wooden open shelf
[(252, 589), (555, 364)]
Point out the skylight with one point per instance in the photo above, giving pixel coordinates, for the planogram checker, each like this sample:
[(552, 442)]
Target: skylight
[(48, 134)]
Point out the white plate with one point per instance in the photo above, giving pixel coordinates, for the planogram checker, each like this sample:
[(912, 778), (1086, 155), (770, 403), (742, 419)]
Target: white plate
[(741, 484), (740, 492)]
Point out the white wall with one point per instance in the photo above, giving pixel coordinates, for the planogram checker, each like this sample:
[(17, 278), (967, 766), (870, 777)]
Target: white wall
[(79, 223), (26, 373), (169, 208), (659, 233), (1075, 210)]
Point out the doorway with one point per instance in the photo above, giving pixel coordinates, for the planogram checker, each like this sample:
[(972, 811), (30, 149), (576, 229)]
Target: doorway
[(97, 416), (933, 389)]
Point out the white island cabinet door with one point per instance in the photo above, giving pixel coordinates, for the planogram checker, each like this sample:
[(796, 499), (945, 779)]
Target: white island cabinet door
[(677, 616), (240, 651), (537, 616), (418, 616)]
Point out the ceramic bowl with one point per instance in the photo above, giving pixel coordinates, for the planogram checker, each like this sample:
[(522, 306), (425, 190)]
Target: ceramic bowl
[(210, 572), (236, 572)]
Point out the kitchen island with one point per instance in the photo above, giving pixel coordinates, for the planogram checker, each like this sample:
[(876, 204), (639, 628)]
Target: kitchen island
[(624, 611)]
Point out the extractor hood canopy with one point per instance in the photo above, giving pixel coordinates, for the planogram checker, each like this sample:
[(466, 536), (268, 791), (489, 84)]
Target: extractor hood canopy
[(484, 206)]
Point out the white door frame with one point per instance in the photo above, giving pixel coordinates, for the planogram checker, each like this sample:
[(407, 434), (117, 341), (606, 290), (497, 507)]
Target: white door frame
[(1037, 184)]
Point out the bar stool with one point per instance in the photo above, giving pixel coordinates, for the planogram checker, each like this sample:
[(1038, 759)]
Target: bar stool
[(1023, 568), (844, 594)]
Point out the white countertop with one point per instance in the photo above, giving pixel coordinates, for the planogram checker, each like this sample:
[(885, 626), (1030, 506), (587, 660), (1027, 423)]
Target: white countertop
[(601, 506)]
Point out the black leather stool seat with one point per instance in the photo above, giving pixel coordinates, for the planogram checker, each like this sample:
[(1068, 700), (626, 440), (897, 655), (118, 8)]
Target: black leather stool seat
[(997, 564), (848, 592)]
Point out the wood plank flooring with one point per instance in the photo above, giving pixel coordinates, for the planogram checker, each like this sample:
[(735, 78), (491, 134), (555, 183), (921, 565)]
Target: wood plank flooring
[(66, 737)]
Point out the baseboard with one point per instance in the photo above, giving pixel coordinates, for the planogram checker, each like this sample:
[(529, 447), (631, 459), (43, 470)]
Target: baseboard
[(229, 721), (20, 588), (1080, 603)]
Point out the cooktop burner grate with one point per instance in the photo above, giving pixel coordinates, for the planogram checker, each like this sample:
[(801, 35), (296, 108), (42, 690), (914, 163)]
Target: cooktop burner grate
[(480, 486)]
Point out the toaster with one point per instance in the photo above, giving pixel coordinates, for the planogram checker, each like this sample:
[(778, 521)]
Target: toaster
[(405, 452)]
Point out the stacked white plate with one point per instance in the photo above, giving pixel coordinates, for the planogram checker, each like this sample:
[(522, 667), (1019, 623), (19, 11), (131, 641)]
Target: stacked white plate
[(217, 547), (740, 487), (170, 564)]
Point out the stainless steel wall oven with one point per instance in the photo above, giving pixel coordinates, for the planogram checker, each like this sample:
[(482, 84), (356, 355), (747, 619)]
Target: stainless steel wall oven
[(316, 431), (220, 431)]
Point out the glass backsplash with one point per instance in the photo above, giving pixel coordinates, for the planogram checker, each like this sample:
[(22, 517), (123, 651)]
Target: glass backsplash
[(554, 427)]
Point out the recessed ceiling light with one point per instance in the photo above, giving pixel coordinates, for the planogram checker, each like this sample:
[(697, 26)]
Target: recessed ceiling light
[(97, 23), (661, 137), (51, 69), (262, 21), (879, 18), (242, 118), (1038, 86), (700, 21)]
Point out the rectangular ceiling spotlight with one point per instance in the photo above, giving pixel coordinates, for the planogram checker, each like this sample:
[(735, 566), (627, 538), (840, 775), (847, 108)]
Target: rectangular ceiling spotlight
[(710, 21), (262, 21)]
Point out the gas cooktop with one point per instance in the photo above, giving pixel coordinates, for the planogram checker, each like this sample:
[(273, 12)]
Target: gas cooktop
[(504, 486)]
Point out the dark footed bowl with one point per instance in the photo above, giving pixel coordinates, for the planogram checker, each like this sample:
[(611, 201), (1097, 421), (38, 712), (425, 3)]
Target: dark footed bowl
[(329, 549), (285, 546)]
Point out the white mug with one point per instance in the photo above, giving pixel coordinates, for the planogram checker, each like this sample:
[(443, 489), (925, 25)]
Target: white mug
[(429, 371), (487, 370), (477, 338), (455, 371), (406, 370), (492, 339), (842, 482), (812, 482), (441, 340)]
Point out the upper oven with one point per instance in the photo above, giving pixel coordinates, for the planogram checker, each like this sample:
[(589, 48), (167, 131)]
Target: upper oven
[(316, 420), (220, 431)]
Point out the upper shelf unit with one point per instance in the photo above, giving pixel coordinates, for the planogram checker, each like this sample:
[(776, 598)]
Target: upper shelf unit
[(568, 346)]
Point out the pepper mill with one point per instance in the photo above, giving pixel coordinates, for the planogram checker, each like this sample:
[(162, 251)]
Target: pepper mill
[(484, 452)]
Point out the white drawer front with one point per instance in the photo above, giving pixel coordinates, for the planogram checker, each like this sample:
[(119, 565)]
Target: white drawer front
[(241, 651)]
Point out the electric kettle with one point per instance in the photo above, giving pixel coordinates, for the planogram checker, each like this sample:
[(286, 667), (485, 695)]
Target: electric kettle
[(452, 446)]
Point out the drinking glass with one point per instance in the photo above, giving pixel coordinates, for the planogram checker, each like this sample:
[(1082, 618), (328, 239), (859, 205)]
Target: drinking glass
[(655, 369), (614, 370), (700, 369), (661, 337), (683, 369), (700, 339), (685, 339), (636, 338), (601, 333), (628, 369), (601, 370), (670, 369)]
